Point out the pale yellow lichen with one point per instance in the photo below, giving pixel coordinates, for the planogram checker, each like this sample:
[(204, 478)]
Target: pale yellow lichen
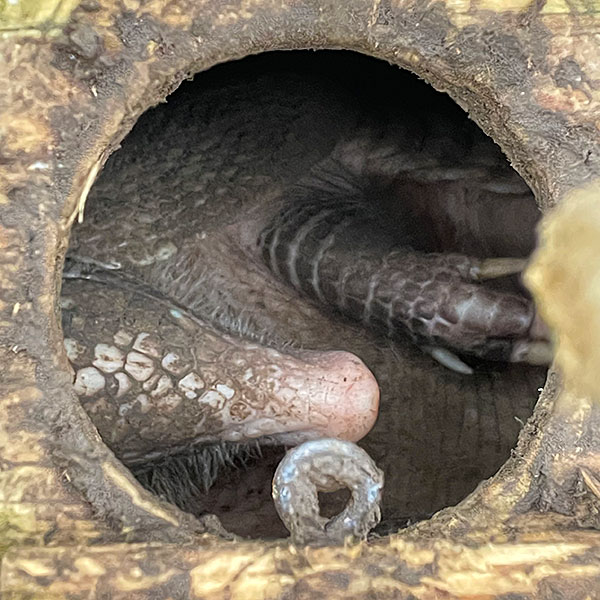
[(570, 6), (25, 17), (564, 277)]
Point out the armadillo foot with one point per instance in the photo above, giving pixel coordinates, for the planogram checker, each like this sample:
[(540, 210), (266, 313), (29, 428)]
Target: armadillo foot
[(331, 251)]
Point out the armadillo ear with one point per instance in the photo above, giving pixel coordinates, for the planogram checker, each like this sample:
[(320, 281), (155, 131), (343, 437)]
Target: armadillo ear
[(564, 277)]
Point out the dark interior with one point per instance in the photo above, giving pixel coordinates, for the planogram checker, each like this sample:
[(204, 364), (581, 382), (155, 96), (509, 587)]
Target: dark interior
[(439, 433)]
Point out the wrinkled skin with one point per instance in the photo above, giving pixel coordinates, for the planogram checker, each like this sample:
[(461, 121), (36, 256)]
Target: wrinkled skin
[(182, 206)]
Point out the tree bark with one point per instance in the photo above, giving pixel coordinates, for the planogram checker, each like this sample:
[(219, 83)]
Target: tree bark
[(76, 77)]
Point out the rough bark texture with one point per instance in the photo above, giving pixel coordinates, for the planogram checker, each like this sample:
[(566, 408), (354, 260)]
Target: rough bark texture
[(78, 76)]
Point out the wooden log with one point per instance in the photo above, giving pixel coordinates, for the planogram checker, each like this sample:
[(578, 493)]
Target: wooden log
[(76, 77), (533, 565)]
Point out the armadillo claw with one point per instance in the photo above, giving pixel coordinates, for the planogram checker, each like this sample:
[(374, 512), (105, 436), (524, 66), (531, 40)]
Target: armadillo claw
[(493, 268), (327, 465), (532, 352)]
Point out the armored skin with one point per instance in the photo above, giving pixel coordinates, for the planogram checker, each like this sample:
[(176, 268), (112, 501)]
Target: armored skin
[(175, 268)]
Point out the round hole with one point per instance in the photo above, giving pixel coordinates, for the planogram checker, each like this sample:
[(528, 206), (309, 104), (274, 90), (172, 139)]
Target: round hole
[(172, 225)]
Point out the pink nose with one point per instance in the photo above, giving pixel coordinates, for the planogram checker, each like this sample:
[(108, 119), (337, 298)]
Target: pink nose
[(306, 395), (345, 401)]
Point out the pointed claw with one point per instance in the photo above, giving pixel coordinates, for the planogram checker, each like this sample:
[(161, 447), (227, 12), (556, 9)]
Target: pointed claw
[(532, 352), (539, 330), (492, 268), (448, 359)]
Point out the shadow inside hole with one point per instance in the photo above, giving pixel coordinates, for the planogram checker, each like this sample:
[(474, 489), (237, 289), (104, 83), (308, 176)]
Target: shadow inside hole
[(439, 433), (333, 503)]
